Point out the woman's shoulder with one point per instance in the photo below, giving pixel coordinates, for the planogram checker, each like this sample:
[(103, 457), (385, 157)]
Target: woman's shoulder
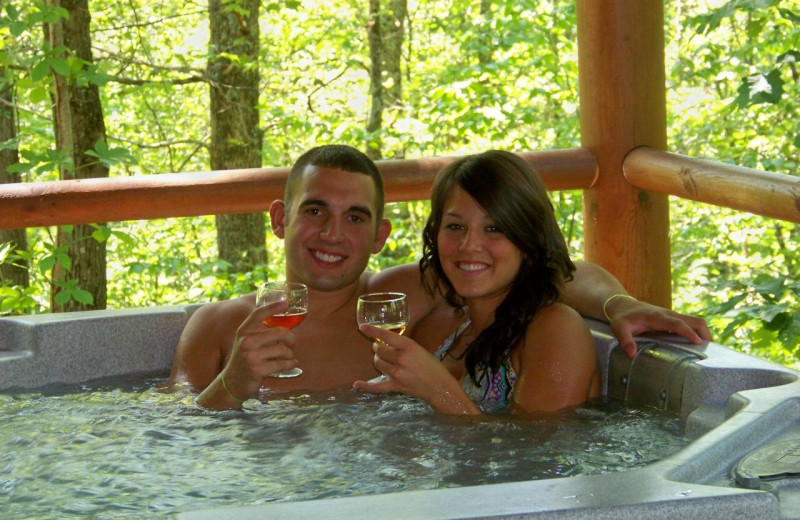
[(558, 326), (557, 315)]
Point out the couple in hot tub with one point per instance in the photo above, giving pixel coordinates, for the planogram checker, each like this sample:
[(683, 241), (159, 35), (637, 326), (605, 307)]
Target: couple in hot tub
[(495, 304)]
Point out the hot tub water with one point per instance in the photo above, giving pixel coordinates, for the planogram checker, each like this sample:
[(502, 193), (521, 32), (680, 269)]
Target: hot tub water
[(120, 448)]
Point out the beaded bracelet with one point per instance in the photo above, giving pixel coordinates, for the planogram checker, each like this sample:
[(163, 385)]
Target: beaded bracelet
[(608, 300), (225, 387)]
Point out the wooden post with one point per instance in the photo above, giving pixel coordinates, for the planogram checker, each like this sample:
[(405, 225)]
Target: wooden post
[(622, 106)]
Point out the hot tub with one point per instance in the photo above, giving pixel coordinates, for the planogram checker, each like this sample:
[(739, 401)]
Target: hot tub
[(742, 414)]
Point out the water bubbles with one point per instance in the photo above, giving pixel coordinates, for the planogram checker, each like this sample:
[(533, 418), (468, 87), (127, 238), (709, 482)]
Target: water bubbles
[(113, 448), (391, 473)]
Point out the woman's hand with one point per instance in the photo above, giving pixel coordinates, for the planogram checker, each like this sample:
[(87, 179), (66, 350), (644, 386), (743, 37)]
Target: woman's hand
[(412, 370)]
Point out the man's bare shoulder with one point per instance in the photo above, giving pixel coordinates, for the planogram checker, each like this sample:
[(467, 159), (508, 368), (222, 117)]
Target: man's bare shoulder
[(234, 310), (397, 278)]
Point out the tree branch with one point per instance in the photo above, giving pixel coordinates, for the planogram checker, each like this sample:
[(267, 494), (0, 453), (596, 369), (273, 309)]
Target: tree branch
[(124, 59), (163, 144), (20, 108), (180, 81), (147, 23), (322, 86)]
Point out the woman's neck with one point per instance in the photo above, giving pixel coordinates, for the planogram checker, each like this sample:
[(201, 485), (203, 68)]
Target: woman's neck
[(482, 310)]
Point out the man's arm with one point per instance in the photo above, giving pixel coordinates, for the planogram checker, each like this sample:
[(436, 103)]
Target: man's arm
[(255, 351), (198, 356), (590, 290)]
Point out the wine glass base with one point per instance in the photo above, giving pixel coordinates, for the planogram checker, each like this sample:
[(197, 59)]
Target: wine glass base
[(292, 372)]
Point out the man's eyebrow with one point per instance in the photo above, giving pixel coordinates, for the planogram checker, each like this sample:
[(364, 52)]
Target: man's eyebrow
[(319, 202), (361, 209), (313, 202)]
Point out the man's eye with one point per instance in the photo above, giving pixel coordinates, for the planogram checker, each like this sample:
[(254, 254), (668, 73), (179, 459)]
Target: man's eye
[(313, 212), (356, 218)]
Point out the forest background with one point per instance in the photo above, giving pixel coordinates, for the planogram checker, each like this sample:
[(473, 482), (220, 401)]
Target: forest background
[(167, 86)]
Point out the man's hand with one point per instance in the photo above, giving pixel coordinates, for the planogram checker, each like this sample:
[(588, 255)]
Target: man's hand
[(258, 351), (630, 317)]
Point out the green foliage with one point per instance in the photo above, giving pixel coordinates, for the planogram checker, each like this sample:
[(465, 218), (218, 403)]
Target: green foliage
[(405, 242), (18, 300), (43, 162), (69, 290), (110, 156), (763, 314), (739, 109)]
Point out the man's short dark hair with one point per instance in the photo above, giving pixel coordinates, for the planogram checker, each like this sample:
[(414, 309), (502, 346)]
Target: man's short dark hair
[(341, 157)]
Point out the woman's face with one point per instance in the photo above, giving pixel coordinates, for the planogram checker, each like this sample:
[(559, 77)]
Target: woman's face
[(477, 257)]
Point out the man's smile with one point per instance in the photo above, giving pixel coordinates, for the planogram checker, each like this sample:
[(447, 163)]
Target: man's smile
[(328, 258)]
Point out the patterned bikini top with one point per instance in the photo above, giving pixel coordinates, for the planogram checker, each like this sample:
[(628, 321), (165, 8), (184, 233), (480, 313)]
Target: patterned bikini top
[(494, 391)]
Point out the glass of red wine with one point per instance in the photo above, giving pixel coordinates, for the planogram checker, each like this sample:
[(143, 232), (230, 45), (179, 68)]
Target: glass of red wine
[(296, 295)]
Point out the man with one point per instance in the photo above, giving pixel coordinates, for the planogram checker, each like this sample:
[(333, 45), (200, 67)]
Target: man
[(331, 220)]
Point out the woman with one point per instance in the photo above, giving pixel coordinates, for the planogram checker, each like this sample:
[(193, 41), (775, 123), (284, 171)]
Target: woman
[(492, 245)]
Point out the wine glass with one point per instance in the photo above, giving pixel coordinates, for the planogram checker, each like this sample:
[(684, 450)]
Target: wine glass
[(296, 294), (387, 310)]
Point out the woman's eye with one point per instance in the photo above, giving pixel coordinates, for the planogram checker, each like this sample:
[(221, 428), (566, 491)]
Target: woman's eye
[(493, 229), (453, 227)]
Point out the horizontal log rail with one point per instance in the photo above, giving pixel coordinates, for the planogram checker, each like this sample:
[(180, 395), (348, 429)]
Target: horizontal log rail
[(146, 197), (769, 194)]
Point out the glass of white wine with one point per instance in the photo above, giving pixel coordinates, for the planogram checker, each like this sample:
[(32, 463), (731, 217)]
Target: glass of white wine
[(387, 310), (296, 294)]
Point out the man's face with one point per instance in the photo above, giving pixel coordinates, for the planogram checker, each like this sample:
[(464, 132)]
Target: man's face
[(330, 229)]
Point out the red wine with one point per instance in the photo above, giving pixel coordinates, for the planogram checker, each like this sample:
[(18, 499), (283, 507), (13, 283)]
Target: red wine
[(289, 319)]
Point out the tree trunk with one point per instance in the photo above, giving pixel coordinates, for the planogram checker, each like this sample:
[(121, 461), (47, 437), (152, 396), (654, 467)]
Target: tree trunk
[(15, 273), (79, 125), (385, 32), (485, 52), (235, 134)]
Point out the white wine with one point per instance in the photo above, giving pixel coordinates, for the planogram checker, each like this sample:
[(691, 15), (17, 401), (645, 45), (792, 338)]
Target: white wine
[(398, 327)]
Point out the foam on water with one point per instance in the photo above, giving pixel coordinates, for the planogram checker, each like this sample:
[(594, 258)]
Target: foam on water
[(120, 449)]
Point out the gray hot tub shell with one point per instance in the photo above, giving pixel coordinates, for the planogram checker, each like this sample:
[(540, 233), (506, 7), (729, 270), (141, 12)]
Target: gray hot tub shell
[(729, 403)]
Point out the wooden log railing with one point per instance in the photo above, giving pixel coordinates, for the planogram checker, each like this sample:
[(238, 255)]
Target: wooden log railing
[(233, 191), (769, 194), (239, 191)]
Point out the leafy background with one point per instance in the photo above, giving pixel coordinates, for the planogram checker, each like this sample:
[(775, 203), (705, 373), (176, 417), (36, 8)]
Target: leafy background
[(733, 90)]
